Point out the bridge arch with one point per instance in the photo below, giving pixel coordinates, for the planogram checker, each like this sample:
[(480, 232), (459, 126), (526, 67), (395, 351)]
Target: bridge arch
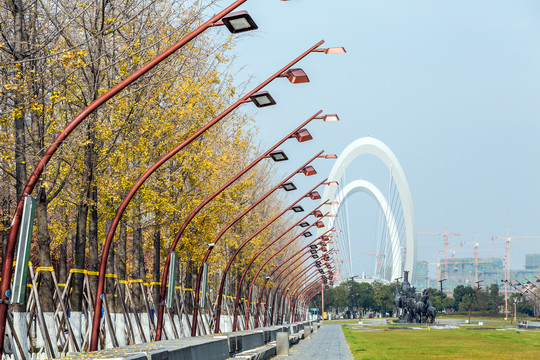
[(372, 146), (370, 189)]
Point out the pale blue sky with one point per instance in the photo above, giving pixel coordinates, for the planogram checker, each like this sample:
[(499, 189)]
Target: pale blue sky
[(452, 87)]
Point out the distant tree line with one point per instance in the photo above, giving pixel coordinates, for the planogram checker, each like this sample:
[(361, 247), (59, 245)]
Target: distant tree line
[(377, 297)]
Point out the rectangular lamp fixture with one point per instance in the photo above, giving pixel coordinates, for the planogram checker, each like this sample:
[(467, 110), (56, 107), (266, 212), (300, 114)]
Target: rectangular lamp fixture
[(239, 21), (262, 99), (288, 186), (278, 155)]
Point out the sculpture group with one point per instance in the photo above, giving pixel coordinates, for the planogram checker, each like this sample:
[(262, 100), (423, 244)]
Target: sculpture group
[(412, 307)]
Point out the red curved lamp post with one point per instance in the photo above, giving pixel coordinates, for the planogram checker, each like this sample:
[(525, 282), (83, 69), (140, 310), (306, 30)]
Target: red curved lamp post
[(277, 277), (284, 184), (291, 285), (222, 284), (274, 270), (300, 287), (255, 96), (307, 294), (272, 152), (273, 303), (58, 141), (283, 294), (298, 304), (296, 293), (265, 262), (304, 232)]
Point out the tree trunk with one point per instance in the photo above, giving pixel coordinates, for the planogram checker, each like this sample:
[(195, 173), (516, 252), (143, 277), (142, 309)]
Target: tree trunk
[(63, 263), (44, 243), (93, 256), (138, 261), (156, 273), (79, 257), (189, 284), (20, 41), (121, 258)]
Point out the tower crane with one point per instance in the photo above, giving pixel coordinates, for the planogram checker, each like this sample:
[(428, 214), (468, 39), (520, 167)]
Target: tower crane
[(446, 246), (476, 244), (507, 240)]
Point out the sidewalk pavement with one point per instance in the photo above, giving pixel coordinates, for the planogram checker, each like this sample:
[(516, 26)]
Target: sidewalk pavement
[(327, 343)]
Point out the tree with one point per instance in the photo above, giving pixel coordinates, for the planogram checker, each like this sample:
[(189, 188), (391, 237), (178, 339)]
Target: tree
[(438, 299), (383, 297), (462, 294), (55, 59)]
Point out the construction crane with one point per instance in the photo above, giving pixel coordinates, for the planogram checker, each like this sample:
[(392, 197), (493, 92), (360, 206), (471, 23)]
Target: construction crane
[(507, 240), (476, 244), (446, 247)]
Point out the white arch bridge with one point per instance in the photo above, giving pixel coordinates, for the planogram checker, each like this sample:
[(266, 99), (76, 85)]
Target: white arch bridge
[(399, 260)]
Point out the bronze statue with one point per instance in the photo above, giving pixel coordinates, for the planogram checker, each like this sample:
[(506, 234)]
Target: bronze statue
[(412, 307)]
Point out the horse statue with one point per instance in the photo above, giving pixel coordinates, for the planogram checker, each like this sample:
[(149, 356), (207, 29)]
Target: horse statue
[(398, 302), (411, 306), (430, 314)]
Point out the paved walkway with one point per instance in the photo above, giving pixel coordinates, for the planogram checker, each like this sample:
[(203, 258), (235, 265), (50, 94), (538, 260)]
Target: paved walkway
[(327, 343)]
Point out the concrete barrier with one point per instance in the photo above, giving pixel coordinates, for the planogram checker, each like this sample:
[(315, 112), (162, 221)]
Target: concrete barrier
[(307, 332), (529, 324), (282, 344), (208, 347)]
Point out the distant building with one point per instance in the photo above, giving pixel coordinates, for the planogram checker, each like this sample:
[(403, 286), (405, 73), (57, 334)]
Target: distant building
[(420, 278), (462, 271), (532, 262)]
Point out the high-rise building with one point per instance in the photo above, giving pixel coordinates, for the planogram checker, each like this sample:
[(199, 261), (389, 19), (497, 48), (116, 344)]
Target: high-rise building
[(532, 262), (420, 279)]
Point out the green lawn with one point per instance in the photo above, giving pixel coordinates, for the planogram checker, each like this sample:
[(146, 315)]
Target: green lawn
[(383, 342)]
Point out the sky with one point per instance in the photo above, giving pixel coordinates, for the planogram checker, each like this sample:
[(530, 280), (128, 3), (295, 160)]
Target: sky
[(452, 87)]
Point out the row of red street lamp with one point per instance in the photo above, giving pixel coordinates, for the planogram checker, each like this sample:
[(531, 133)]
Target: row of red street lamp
[(236, 22)]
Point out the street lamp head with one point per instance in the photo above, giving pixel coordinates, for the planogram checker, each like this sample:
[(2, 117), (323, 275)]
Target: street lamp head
[(297, 208), (278, 155), (333, 203), (330, 117), (314, 195), (314, 256), (304, 224), (332, 183), (330, 156), (307, 234), (296, 76), (288, 186), (335, 50), (313, 247), (313, 251), (303, 135), (319, 224), (262, 99), (239, 21), (317, 213), (308, 171)]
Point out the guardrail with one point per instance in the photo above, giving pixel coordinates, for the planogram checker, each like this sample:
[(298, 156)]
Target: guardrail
[(209, 347)]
